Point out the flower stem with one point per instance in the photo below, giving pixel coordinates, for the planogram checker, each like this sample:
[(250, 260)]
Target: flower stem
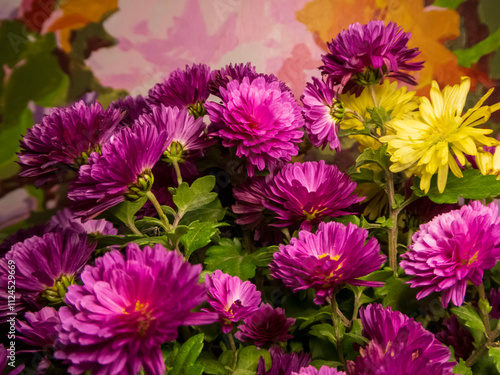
[(133, 228), (233, 348), (158, 209), (392, 232), (177, 171), (336, 328), (286, 232), (374, 96)]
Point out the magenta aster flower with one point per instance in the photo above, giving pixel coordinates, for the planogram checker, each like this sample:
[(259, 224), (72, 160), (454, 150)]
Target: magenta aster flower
[(265, 326), (131, 107), (183, 89), (364, 54), (186, 135), (231, 298), (65, 219), (126, 308), (122, 171), (324, 370), (306, 192), (260, 120), (44, 268), (283, 363), (64, 139), (452, 249), (40, 328), (323, 112), (326, 260), (398, 345)]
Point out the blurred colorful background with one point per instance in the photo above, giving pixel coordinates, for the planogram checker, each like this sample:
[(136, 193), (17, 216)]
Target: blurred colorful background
[(55, 52)]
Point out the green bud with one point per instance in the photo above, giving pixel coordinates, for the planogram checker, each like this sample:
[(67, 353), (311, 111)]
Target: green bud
[(174, 152), (139, 189), (337, 110), (197, 110)]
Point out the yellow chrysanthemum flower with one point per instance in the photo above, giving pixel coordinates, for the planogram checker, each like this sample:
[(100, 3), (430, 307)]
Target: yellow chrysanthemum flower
[(399, 101), (488, 163), (439, 132)]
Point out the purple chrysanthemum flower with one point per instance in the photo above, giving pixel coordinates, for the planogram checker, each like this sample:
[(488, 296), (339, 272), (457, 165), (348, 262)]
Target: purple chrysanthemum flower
[(494, 299), (126, 308), (323, 112), (64, 139), (456, 335), (185, 134), (65, 219), (220, 78), (364, 54), (283, 363), (260, 120), (231, 298), (452, 249), (132, 107), (40, 328), (326, 260), (265, 326), (122, 171), (5, 359), (324, 370), (253, 215), (306, 192), (398, 345), (44, 267), (186, 89)]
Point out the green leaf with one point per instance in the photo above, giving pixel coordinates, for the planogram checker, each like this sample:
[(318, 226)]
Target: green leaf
[(126, 210), (473, 185), (380, 275), (13, 41), (229, 257), (346, 132), (187, 355), (105, 241), (150, 225), (9, 138), (379, 116), (211, 212), (213, 366), (398, 294), (263, 256), (467, 57), (311, 315), (378, 156), (461, 368), (248, 359), (469, 317), (199, 235), (450, 4), (495, 354), (324, 331), (189, 198)]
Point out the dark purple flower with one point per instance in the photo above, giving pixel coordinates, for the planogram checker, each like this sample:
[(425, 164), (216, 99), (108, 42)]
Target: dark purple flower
[(252, 214), (265, 326), (65, 220), (324, 370), (327, 260), (283, 363), (122, 171), (398, 345), (452, 249), (494, 300), (132, 107), (323, 112), (456, 335), (43, 268), (5, 359), (185, 135), (64, 139), (260, 120), (21, 235), (40, 328), (186, 89), (364, 54), (220, 78), (126, 308), (231, 298), (306, 192)]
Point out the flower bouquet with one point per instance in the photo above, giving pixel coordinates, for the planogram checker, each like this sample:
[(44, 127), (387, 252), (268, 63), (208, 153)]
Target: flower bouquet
[(201, 236)]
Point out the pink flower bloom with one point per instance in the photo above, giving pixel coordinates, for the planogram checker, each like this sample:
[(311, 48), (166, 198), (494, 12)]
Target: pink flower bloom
[(126, 308), (452, 249), (324, 370), (327, 260), (260, 120), (231, 298)]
